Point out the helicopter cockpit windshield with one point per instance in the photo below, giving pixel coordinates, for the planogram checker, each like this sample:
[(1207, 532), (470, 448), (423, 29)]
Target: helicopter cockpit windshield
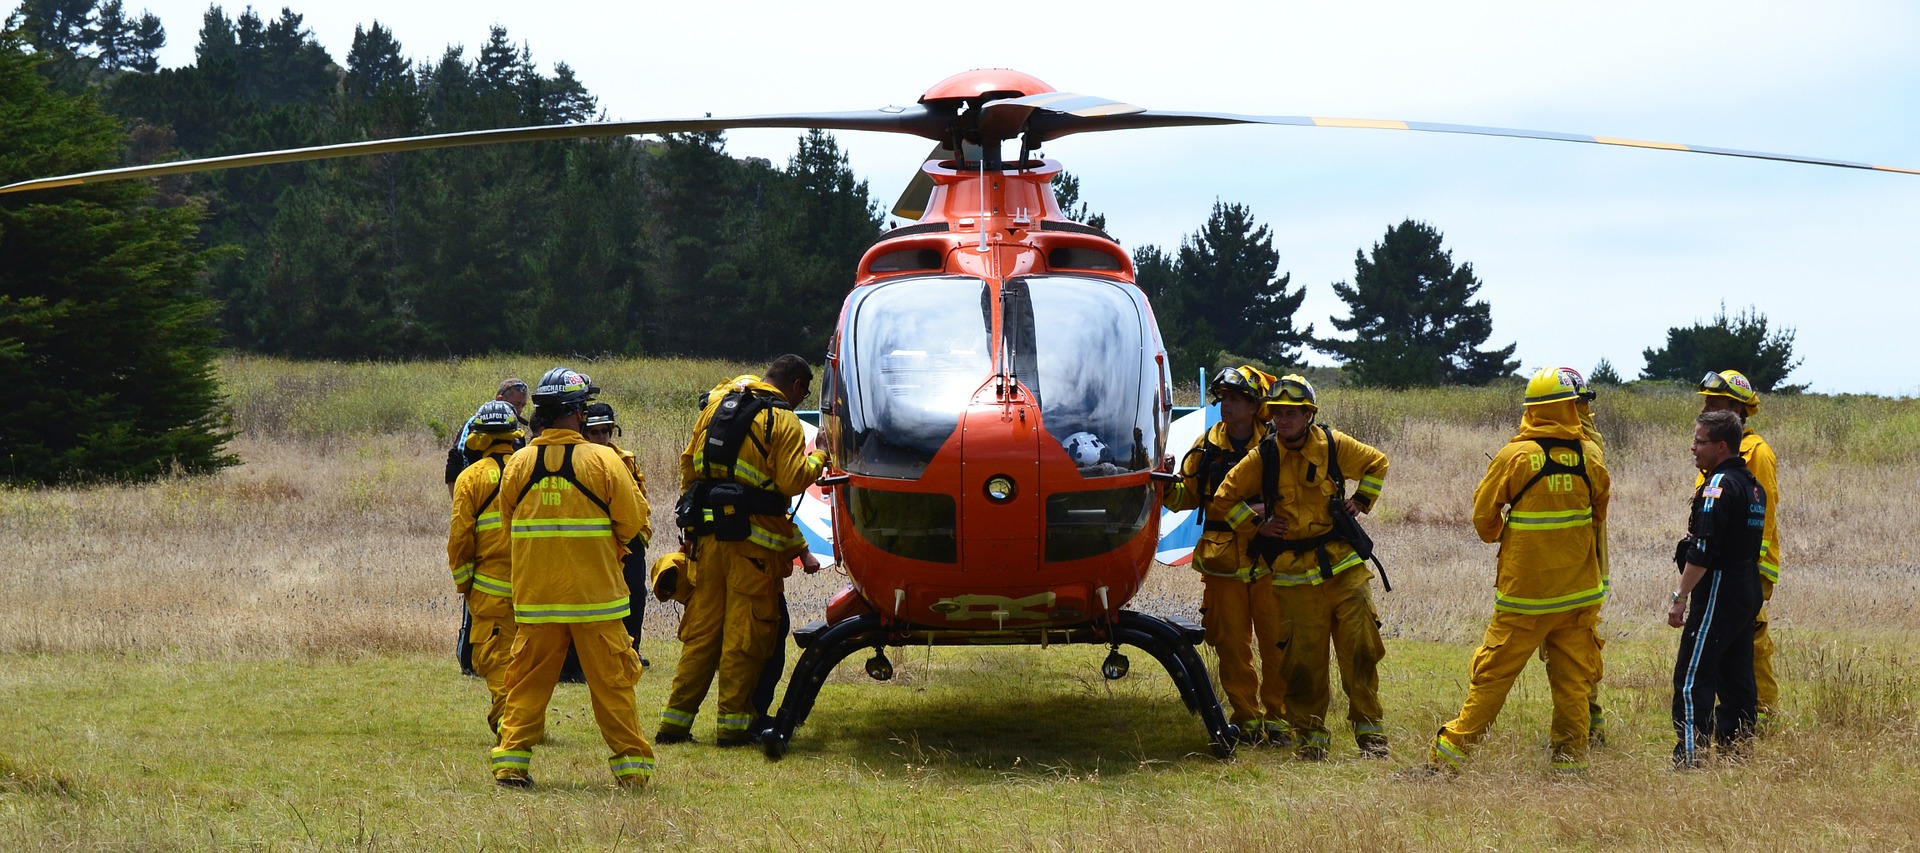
[(915, 351), (1082, 347)]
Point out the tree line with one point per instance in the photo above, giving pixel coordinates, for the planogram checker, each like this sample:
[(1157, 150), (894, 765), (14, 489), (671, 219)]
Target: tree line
[(601, 246), (117, 294), (1413, 320)]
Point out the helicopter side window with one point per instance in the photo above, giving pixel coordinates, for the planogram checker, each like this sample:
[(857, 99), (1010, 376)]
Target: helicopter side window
[(1084, 347), (912, 355)]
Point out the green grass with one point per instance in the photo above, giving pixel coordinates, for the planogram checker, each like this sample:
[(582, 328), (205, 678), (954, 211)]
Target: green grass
[(256, 660), (1003, 748), (275, 398)]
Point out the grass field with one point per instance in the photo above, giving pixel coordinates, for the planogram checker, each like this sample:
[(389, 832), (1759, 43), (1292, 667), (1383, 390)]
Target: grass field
[(261, 660)]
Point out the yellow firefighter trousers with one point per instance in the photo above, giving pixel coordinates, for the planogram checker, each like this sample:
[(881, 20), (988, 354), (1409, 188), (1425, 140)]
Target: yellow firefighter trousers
[(492, 634), (1769, 687), (1236, 614), (1339, 611), (730, 627), (1573, 644), (612, 667), (1596, 715)]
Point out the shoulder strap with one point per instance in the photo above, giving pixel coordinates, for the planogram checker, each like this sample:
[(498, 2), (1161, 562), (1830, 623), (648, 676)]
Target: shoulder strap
[(731, 425), (565, 472), (539, 472), (1554, 466), (502, 461), (1270, 471), (1333, 465)]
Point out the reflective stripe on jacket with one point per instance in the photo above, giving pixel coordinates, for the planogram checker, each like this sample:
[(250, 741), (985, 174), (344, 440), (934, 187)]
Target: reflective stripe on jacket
[(476, 544), (566, 550), (1221, 553), (784, 465), (1304, 490), (1549, 560)]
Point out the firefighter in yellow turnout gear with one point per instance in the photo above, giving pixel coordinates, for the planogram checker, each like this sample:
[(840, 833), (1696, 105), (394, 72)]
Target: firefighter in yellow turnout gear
[(1590, 431), (601, 425), (1282, 492), (477, 552), (1237, 608), (571, 507), (742, 467), (1729, 390), (1553, 489)]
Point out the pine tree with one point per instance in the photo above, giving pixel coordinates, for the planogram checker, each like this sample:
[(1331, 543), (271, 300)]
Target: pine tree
[(1728, 343), (1229, 295), (1413, 316), (103, 322), (1066, 191), (1604, 374), (815, 225)]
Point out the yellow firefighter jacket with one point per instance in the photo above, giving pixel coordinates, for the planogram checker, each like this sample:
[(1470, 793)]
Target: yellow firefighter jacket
[(566, 545), (1591, 432), (774, 459), (1549, 561), (1304, 490), (1765, 468), (476, 542), (1222, 550), (640, 480)]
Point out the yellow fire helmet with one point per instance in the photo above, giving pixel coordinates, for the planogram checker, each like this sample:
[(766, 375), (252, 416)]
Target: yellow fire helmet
[(1553, 384), (670, 578), (1733, 384), (1292, 390), (1246, 379)]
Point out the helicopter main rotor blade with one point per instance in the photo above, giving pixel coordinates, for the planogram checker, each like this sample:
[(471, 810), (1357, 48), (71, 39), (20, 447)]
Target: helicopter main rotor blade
[(1048, 125), (917, 120), (1004, 119)]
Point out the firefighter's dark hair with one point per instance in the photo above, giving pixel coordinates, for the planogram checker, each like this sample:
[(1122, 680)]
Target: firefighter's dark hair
[(787, 368)]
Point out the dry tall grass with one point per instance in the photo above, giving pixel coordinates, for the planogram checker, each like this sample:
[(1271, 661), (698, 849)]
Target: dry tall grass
[(326, 548), (329, 540)]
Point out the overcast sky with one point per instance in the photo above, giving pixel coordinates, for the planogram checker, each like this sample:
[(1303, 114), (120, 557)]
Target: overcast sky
[(1586, 251)]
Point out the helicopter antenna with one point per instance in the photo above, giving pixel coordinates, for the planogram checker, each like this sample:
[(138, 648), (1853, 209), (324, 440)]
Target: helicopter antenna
[(982, 216)]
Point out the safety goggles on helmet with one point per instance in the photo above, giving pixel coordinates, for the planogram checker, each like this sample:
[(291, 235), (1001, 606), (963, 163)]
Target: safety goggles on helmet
[(1292, 390), (1243, 379), (1730, 383)]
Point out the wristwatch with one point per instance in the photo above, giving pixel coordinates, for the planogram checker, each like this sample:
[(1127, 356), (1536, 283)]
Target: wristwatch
[(1674, 598)]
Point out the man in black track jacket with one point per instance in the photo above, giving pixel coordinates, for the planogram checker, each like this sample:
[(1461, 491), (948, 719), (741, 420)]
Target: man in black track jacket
[(1718, 598)]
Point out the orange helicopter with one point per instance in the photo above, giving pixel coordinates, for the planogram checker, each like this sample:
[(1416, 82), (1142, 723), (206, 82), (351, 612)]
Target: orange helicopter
[(997, 395)]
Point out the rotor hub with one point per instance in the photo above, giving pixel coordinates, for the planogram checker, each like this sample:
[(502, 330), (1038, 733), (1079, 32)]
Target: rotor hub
[(986, 83)]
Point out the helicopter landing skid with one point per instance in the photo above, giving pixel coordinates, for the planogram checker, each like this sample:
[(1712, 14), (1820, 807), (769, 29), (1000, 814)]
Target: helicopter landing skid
[(1170, 642)]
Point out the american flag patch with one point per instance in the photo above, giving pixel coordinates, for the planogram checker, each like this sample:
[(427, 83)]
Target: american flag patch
[(1710, 492)]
